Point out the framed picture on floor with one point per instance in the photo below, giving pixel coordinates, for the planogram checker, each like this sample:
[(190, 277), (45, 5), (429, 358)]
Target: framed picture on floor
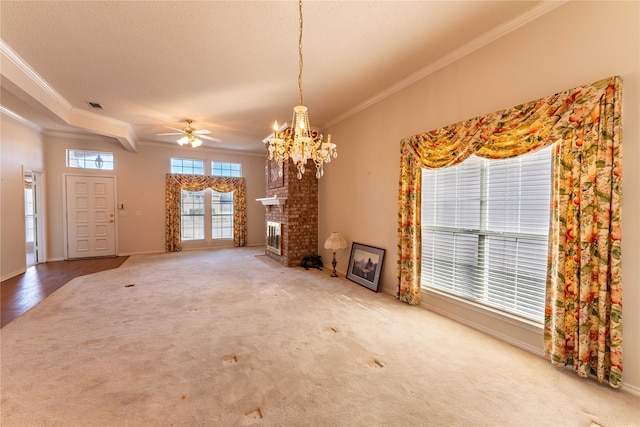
[(365, 263)]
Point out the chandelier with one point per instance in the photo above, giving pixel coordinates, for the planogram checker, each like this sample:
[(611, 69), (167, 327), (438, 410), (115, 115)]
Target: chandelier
[(298, 141)]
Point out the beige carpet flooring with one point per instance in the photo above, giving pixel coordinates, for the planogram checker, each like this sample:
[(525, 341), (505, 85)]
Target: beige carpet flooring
[(228, 338)]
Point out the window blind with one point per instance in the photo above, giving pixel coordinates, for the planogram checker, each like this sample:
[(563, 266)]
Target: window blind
[(192, 215), (221, 215), (485, 231)]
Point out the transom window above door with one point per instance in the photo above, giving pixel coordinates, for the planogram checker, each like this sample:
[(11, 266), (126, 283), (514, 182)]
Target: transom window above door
[(84, 159)]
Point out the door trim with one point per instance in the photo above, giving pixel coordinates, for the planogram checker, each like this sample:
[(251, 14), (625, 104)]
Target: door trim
[(65, 234)]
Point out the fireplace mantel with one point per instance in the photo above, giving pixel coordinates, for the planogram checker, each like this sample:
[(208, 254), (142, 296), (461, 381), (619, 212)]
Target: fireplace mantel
[(273, 201)]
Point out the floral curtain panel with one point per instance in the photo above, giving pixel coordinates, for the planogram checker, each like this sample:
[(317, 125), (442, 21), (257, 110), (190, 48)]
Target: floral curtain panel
[(175, 183), (583, 315)]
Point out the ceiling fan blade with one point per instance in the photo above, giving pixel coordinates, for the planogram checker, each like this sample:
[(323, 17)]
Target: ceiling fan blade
[(210, 138), (176, 129), (171, 133), (202, 132)]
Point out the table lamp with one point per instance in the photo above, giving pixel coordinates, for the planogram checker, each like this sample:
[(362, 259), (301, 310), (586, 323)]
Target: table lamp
[(335, 242)]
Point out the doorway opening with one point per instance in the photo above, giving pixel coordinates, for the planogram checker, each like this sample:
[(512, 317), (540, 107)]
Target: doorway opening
[(33, 218)]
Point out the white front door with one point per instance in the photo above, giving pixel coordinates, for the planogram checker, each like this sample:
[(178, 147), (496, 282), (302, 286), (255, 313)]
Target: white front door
[(90, 207)]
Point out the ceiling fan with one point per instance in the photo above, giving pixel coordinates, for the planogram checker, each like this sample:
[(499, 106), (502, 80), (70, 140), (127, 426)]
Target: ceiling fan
[(190, 135)]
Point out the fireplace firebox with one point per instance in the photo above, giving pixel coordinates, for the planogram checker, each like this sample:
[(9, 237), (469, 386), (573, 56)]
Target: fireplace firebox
[(274, 237)]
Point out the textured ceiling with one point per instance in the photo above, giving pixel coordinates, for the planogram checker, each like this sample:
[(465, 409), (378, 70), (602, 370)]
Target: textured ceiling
[(232, 66)]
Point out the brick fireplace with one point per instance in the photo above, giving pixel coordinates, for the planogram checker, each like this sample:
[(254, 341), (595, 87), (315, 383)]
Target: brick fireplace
[(298, 216)]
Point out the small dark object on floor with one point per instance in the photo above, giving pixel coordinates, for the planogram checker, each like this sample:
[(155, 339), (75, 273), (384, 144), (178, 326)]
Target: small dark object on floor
[(129, 285), (312, 261)]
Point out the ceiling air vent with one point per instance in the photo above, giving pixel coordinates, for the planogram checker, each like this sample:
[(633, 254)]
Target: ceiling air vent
[(95, 105)]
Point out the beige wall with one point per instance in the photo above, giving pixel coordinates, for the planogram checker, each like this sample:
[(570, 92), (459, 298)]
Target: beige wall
[(141, 189), (577, 43), (21, 150)]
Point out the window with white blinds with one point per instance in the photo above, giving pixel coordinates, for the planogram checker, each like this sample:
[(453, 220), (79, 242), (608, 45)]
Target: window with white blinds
[(192, 203), (208, 212), (485, 230)]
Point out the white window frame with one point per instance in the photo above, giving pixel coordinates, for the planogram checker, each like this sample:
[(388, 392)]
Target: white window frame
[(222, 222), (86, 159), (212, 234), (190, 167), (232, 169), (183, 167), (477, 291), (192, 233)]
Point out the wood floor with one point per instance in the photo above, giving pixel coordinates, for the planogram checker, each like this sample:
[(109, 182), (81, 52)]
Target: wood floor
[(22, 292)]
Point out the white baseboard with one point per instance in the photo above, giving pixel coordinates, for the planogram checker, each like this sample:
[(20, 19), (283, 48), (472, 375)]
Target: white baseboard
[(387, 290), (629, 388), (518, 332), (508, 338), (12, 274), (140, 253)]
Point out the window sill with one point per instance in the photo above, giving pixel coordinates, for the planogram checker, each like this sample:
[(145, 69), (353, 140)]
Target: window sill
[(207, 244)]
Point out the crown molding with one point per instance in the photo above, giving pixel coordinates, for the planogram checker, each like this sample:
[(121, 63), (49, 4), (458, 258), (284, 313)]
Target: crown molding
[(22, 65), (464, 50), (85, 137), (170, 146), (19, 118), (27, 79)]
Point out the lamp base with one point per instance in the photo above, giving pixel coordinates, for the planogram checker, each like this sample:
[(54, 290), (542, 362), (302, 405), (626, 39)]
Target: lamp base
[(334, 263)]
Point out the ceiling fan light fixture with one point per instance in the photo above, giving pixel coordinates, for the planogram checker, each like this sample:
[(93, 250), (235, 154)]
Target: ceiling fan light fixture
[(298, 142), (190, 135), (190, 139)]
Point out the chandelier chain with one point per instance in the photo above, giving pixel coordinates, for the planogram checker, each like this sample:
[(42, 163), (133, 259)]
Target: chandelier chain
[(300, 54)]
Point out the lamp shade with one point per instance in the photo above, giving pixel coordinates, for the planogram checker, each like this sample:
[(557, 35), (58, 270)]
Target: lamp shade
[(335, 241)]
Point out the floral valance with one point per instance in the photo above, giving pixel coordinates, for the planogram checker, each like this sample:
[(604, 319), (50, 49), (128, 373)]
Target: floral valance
[(175, 183)]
